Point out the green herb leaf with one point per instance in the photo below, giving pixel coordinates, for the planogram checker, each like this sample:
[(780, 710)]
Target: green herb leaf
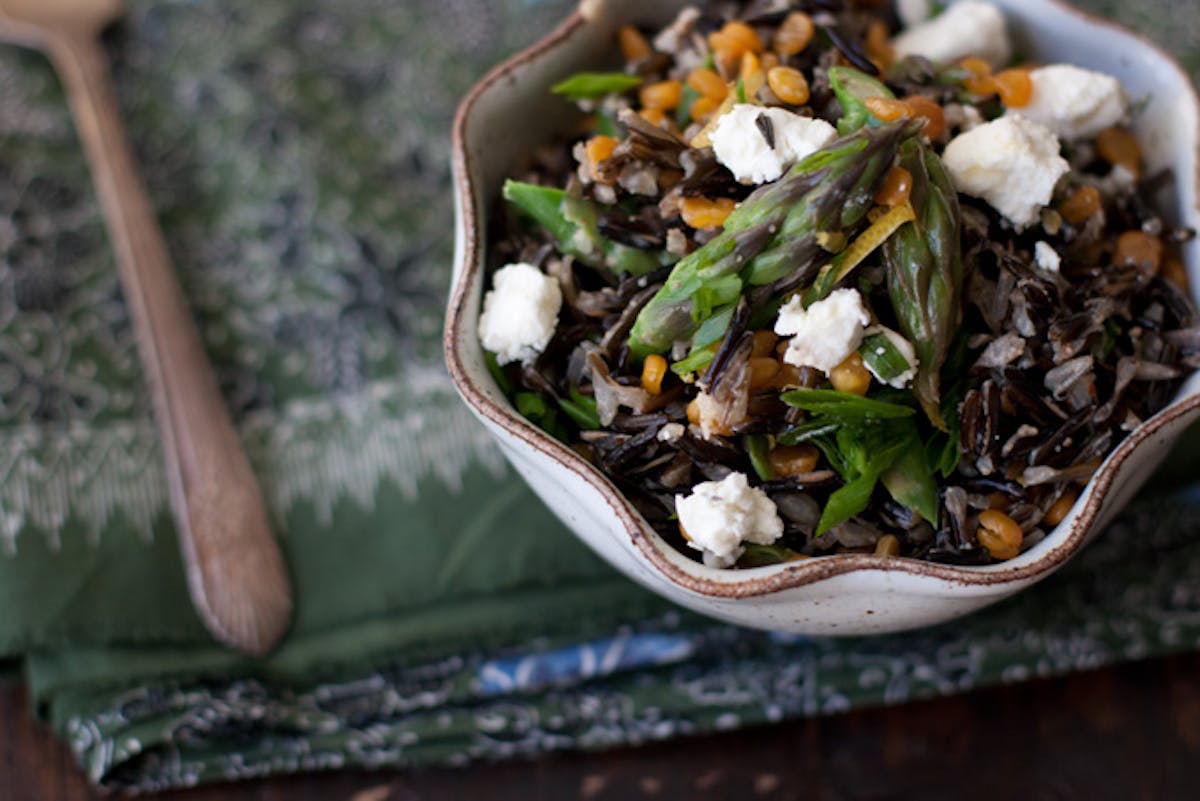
[(594, 85), (758, 447), (911, 480), (829, 449), (860, 448), (843, 406), (847, 501), (741, 91), (942, 453), (865, 454)]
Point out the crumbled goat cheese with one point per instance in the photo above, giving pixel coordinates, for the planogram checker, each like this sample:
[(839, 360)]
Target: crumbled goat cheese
[(1073, 102), (913, 12), (710, 412), (1047, 257), (1013, 163), (825, 333), (519, 313), (757, 152), (720, 515), (968, 28), (905, 349), (671, 432)]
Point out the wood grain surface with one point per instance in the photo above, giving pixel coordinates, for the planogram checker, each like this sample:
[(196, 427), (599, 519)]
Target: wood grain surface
[(1129, 732)]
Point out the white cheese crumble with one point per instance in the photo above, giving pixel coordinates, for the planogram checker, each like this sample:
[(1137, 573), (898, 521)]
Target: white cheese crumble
[(913, 12), (1013, 163), (1073, 102), (825, 333), (968, 28), (905, 348), (1047, 257), (710, 413), (741, 144), (720, 515), (519, 313), (671, 432)]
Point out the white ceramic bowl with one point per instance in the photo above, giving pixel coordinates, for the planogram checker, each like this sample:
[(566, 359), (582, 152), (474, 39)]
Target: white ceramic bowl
[(510, 112)]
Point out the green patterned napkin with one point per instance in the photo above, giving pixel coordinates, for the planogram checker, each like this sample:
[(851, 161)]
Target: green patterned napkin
[(297, 155)]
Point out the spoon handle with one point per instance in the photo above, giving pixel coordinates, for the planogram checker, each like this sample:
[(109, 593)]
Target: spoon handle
[(235, 571)]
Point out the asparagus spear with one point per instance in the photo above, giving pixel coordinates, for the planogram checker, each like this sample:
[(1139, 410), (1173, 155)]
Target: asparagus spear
[(925, 271), (851, 88), (572, 223), (772, 235)]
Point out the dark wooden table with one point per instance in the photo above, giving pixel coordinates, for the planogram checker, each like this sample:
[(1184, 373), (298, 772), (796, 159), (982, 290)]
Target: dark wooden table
[(1128, 732)]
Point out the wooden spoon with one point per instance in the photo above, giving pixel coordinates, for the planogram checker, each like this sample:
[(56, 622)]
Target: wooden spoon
[(236, 575)]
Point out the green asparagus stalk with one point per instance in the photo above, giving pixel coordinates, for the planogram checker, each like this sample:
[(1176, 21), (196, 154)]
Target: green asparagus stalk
[(572, 223), (851, 88), (771, 236), (925, 271)]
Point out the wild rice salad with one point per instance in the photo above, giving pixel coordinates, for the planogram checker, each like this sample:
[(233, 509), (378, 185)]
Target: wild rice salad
[(829, 276)]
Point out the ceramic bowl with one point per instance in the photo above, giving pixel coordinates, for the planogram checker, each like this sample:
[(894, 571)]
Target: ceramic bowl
[(510, 112)]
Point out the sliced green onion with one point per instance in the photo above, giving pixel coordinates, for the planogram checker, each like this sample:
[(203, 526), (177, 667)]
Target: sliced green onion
[(758, 447), (497, 372), (806, 431), (593, 85), (883, 358), (695, 361), (582, 409), (844, 406)]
